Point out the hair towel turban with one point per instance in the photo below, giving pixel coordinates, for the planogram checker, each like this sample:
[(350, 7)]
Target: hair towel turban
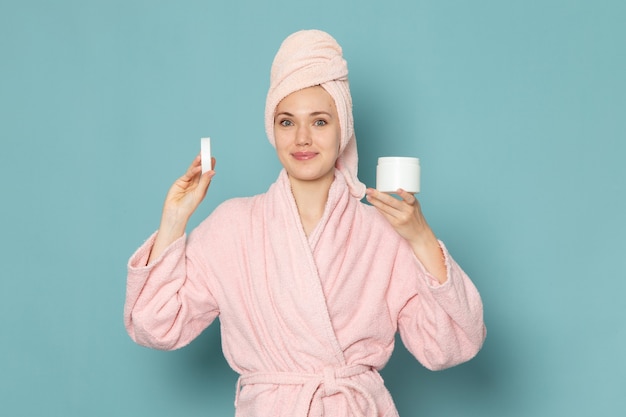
[(305, 59)]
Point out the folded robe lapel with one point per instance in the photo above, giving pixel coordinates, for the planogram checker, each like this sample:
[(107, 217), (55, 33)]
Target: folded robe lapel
[(306, 291)]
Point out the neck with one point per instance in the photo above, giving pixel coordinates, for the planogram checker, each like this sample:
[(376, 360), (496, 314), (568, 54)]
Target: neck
[(310, 197)]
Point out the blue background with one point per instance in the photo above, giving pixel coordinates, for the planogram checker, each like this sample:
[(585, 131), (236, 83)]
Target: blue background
[(517, 110)]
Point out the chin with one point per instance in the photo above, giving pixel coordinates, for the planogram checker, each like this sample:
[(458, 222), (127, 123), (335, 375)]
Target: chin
[(311, 177)]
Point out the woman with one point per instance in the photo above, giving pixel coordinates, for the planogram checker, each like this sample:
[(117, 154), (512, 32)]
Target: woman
[(310, 284)]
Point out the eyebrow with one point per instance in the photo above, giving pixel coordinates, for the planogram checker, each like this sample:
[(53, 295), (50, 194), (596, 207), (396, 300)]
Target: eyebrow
[(314, 114)]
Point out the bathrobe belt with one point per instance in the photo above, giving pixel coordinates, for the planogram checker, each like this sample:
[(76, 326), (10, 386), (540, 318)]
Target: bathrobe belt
[(315, 386)]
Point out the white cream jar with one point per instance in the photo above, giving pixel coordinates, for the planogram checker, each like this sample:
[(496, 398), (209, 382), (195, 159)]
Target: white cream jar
[(395, 172)]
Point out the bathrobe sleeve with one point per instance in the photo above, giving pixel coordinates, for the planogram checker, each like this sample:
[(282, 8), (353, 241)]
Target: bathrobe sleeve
[(168, 302), (440, 324)]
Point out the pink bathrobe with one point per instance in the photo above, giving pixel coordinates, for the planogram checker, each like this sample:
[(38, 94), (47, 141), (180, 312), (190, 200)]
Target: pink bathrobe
[(306, 322)]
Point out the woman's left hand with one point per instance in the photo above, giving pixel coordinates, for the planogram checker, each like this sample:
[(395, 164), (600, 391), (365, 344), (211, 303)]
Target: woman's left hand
[(406, 217)]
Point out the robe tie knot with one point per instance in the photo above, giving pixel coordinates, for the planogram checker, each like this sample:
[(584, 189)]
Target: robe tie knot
[(329, 382)]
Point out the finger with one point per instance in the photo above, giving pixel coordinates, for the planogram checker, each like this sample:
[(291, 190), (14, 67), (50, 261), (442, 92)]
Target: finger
[(196, 161), (196, 168), (387, 199), (379, 195), (205, 179), (407, 197), (193, 167), (385, 203)]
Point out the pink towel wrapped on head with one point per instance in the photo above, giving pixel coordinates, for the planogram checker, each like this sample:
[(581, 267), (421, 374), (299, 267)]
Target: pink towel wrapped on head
[(306, 59)]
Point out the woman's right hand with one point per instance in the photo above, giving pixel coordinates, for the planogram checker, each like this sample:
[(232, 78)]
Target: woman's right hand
[(187, 192), (182, 199)]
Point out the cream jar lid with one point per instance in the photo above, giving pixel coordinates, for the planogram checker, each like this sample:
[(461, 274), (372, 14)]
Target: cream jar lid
[(384, 160)]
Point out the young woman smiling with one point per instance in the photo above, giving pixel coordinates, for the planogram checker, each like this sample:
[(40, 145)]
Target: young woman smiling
[(310, 284)]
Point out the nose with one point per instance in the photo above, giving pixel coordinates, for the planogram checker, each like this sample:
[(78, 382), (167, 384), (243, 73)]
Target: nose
[(303, 136)]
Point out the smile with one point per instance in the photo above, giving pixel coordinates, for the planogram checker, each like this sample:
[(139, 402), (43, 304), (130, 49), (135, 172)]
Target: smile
[(304, 156)]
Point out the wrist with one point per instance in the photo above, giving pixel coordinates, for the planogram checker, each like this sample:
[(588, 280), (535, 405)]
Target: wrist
[(426, 241), (172, 226)]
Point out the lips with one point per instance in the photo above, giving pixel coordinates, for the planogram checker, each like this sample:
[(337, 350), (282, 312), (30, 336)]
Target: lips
[(304, 156)]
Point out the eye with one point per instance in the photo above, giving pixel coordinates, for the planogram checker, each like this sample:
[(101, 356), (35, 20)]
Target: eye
[(285, 123), (320, 122)]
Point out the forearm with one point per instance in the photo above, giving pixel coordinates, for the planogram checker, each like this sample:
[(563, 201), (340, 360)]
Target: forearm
[(182, 200), (430, 254), (170, 230)]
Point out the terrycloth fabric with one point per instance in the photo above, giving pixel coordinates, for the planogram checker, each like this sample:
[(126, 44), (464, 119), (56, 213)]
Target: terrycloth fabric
[(305, 59), (306, 322)]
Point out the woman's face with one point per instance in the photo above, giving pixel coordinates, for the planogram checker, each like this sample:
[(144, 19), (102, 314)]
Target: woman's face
[(307, 135)]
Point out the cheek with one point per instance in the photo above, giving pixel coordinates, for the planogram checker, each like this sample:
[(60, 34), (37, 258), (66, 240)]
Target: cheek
[(282, 150), (279, 139)]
